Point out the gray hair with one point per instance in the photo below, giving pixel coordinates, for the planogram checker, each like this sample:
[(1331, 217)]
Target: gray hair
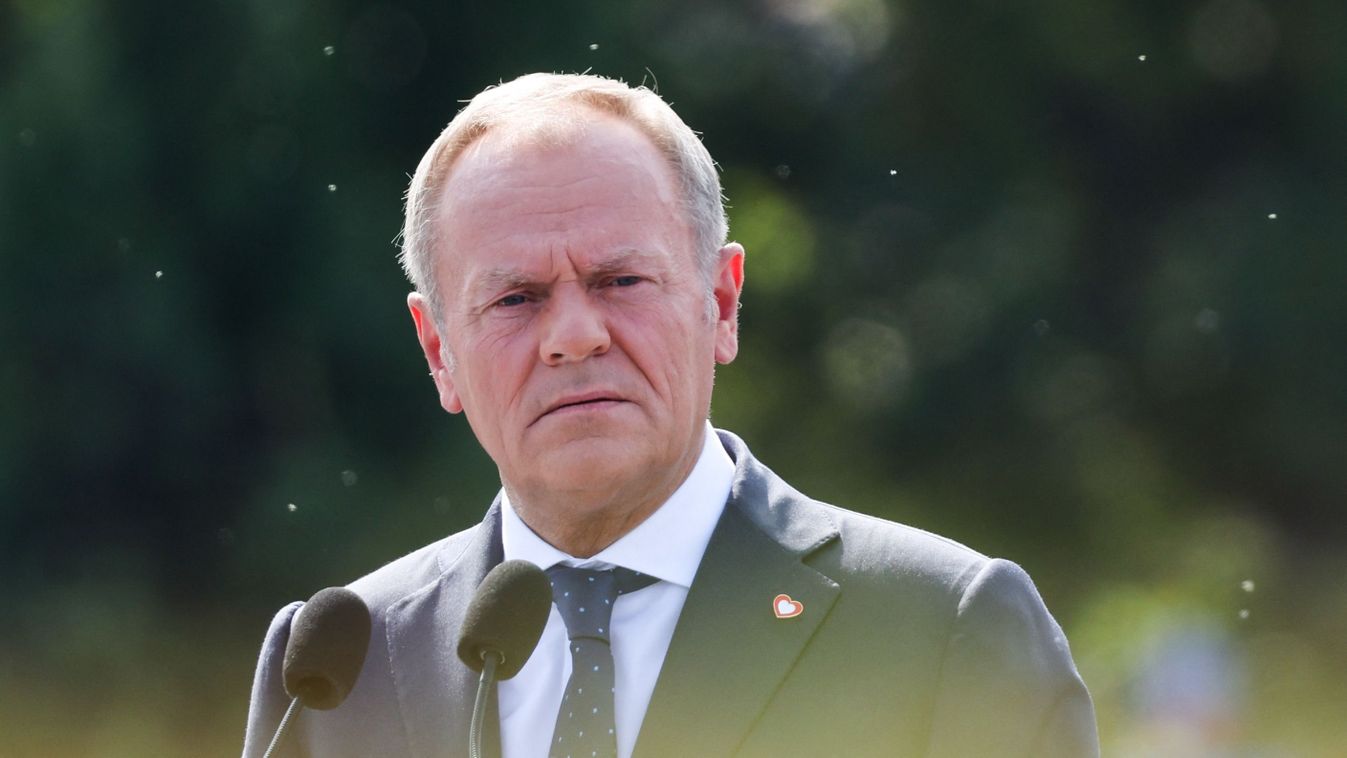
[(543, 103)]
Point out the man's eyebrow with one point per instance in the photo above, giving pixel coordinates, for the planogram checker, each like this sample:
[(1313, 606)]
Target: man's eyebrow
[(624, 259), (503, 278), (497, 280)]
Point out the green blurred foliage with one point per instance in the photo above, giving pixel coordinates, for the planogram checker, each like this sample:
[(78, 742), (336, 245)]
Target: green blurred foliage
[(1061, 281)]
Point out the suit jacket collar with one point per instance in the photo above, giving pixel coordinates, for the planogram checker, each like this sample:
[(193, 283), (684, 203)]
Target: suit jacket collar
[(729, 642), (435, 689)]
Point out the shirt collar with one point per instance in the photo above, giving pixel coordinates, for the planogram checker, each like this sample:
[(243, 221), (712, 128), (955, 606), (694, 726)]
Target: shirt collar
[(669, 544)]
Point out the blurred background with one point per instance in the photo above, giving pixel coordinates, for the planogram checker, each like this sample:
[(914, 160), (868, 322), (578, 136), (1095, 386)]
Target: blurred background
[(1061, 280)]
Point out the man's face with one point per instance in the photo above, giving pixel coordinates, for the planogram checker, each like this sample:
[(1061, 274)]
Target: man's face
[(575, 313)]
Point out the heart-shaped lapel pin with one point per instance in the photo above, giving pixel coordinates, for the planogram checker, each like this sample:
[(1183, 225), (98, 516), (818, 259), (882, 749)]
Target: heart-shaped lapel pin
[(785, 608)]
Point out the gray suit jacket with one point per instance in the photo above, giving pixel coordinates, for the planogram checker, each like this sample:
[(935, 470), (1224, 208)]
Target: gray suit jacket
[(909, 645)]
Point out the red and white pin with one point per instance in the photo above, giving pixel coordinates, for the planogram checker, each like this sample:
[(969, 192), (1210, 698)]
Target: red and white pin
[(785, 608)]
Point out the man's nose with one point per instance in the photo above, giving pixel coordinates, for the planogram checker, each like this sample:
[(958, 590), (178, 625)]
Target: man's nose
[(573, 326)]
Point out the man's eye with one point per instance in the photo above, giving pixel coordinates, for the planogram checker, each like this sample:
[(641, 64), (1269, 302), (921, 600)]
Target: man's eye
[(509, 301), (624, 281)]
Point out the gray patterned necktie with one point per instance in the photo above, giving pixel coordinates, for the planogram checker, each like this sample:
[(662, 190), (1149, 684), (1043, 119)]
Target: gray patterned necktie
[(585, 725)]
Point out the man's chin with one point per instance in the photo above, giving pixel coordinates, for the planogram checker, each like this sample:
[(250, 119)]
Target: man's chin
[(584, 463), (576, 434)]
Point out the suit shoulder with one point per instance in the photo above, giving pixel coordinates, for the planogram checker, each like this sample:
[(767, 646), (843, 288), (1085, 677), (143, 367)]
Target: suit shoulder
[(876, 546), (853, 545), (897, 533), (405, 575)]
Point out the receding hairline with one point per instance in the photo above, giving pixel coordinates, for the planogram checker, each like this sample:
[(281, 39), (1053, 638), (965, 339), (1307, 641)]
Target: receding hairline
[(558, 124), (542, 106), (576, 122)]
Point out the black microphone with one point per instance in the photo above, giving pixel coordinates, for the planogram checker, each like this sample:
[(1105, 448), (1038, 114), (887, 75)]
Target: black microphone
[(502, 626), (328, 640)]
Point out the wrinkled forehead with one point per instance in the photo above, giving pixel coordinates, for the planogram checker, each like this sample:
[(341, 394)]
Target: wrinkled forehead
[(592, 185)]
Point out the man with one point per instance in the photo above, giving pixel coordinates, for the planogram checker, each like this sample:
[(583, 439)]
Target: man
[(574, 291)]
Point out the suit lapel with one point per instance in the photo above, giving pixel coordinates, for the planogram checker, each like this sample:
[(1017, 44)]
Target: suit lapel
[(730, 652), (435, 689)]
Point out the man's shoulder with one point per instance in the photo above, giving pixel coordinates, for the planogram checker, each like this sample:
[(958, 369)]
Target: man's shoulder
[(892, 548), (414, 571), (883, 563), (852, 543), (967, 633)]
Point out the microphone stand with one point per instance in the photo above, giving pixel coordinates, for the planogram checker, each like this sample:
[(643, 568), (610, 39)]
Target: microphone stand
[(280, 730), (490, 659)]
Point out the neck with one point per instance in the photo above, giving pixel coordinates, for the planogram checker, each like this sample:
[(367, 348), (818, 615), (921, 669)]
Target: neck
[(582, 523)]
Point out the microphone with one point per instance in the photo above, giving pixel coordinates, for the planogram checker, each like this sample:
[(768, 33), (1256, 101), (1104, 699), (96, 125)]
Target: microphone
[(328, 640), (502, 626)]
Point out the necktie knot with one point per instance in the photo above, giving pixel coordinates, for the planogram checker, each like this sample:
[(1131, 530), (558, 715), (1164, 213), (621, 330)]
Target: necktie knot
[(585, 597)]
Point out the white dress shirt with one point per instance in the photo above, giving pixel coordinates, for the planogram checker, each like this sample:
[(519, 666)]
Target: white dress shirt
[(668, 545)]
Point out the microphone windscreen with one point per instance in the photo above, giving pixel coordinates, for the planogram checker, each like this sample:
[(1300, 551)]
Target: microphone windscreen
[(328, 640), (507, 616)]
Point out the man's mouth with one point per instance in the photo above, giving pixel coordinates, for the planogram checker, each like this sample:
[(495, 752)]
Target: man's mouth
[(579, 403)]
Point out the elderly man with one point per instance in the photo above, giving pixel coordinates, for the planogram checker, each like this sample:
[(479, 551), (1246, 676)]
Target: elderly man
[(573, 293)]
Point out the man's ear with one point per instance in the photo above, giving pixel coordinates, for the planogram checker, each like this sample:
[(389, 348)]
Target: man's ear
[(726, 286), (428, 334)]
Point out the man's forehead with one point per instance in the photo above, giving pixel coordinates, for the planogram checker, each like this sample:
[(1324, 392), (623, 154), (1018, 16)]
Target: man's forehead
[(611, 163), (511, 206)]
